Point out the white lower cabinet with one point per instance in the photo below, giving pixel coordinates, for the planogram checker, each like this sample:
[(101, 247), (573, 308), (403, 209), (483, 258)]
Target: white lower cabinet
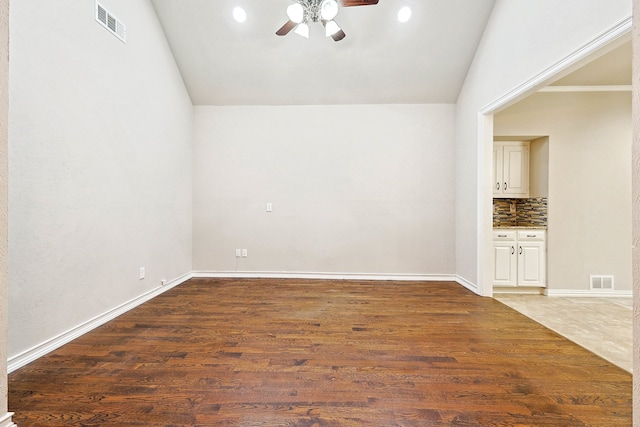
[(519, 257)]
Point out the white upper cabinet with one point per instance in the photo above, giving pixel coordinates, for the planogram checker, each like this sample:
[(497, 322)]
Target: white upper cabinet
[(511, 169)]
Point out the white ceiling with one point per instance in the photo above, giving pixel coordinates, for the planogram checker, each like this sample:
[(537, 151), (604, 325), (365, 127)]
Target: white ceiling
[(612, 68), (380, 61)]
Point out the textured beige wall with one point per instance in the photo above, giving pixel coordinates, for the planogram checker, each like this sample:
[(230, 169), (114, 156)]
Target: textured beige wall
[(539, 170), (636, 212), (4, 114)]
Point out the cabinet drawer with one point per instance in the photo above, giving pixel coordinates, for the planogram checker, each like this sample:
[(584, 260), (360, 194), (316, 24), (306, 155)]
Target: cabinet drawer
[(531, 235), (503, 235)]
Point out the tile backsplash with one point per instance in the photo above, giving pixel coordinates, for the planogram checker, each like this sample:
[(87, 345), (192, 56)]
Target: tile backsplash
[(529, 212)]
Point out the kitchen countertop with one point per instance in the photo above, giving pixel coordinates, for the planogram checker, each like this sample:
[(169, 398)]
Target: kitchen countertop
[(520, 227)]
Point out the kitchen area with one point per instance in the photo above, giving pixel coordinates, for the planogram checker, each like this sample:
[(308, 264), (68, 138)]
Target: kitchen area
[(562, 247), (519, 220)]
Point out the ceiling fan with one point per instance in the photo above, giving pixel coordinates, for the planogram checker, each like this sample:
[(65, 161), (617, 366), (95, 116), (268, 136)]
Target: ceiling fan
[(303, 12)]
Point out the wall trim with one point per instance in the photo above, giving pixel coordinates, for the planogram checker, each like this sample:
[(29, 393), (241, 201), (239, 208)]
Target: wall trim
[(28, 356), (5, 420), (587, 293), (467, 284), (324, 276), (516, 290), (618, 31), (600, 88)]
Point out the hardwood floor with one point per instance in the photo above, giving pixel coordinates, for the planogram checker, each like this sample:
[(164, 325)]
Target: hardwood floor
[(320, 353)]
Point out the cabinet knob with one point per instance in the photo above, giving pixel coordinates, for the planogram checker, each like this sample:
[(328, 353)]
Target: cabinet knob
[(497, 186), (505, 185), (520, 250), (513, 250)]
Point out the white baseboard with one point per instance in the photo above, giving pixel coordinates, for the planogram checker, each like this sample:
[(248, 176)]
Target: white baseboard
[(28, 356), (518, 290), (5, 420), (467, 284), (575, 293), (324, 276)]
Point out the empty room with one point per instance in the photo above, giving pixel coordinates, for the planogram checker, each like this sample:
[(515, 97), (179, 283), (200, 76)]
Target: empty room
[(279, 213)]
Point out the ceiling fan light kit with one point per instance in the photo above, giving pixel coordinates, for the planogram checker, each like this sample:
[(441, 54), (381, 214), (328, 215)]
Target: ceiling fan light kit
[(302, 30), (331, 28), (302, 12), (295, 12), (328, 9)]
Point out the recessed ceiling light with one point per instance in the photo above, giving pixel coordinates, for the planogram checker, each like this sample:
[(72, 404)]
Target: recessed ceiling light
[(404, 14), (239, 14)]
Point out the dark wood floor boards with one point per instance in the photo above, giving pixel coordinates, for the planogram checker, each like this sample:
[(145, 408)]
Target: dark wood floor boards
[(241, 352)]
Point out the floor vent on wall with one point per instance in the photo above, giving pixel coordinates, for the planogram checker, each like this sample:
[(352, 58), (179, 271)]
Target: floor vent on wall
[(110, 22), (601, 283)]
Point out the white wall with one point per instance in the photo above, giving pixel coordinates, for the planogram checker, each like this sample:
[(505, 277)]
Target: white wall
[(589, 182), (4, 188), (523, 39), (100, 165), (355, 189), (636, 212)]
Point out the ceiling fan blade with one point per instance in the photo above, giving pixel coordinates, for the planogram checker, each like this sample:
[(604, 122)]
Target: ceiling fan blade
[(348, 3), (339, 36), (284, 30)]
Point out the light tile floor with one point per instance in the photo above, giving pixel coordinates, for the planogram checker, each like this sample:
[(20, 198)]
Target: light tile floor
[(603, 326)]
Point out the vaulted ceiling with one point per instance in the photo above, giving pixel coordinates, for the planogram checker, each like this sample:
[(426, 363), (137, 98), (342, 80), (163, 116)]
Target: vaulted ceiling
[(381, 60), (610, 69)]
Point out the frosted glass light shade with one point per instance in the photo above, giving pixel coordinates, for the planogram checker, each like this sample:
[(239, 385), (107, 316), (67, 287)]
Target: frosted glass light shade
[(302, 30), (295, 12), (328, 9), (331, 28)]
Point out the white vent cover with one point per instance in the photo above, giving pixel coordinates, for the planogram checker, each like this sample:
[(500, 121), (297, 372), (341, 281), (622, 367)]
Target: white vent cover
[(601, 283), (110, 22)]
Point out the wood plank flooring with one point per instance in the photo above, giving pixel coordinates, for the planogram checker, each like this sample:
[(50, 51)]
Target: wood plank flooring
[(320, 353)]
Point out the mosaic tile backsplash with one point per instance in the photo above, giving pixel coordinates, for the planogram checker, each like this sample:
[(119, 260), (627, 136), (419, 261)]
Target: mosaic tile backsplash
[(529, 212)]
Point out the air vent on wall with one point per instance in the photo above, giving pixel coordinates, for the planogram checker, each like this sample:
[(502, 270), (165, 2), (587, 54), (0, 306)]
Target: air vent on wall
[(601, 283), (110, 22)]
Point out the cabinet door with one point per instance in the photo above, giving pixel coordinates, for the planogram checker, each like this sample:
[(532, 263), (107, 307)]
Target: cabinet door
[(497, 169), (531, 264), (515, 170), (504, 264)]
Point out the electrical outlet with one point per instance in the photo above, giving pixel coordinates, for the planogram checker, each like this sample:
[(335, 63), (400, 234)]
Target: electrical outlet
[(238, 253), (245, 253), (269, 207), (141, 273), (512, 207)]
